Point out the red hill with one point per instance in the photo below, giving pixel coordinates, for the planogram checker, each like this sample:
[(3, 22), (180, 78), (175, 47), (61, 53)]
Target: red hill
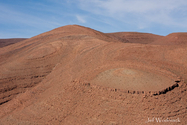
[(77, 75)]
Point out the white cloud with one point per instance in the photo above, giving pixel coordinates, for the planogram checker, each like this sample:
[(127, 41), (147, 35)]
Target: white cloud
[(165, 12), (80, 19), (135, 6)]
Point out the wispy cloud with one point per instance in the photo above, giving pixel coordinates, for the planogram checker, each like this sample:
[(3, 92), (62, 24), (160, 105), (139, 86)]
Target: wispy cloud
[(34, 17), (165, 12), (80, 19)]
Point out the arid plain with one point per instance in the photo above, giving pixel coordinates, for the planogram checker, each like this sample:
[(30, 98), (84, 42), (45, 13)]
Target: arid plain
[(74, 75)]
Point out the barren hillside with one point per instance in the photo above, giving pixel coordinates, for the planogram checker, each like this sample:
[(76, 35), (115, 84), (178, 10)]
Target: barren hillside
[(76, 75), (135, 37), (173, 39), (6, 42)]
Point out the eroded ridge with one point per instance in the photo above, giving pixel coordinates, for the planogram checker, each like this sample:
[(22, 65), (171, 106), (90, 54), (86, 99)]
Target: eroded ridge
[(178, 83)]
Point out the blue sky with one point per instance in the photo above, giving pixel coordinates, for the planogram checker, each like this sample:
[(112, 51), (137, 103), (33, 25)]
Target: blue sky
[(27, 18)]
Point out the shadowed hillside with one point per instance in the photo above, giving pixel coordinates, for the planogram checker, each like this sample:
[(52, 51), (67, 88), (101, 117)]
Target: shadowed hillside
[(173, 39), (6, 42), (77, 75), (135, 37)]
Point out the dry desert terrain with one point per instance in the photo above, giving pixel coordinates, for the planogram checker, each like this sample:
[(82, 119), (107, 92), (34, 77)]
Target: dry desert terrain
[(74, 75)]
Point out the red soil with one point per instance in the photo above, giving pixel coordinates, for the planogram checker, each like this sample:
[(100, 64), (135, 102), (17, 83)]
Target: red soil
[(135, 37), (6, 42), (76, 75), (172, 39)]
